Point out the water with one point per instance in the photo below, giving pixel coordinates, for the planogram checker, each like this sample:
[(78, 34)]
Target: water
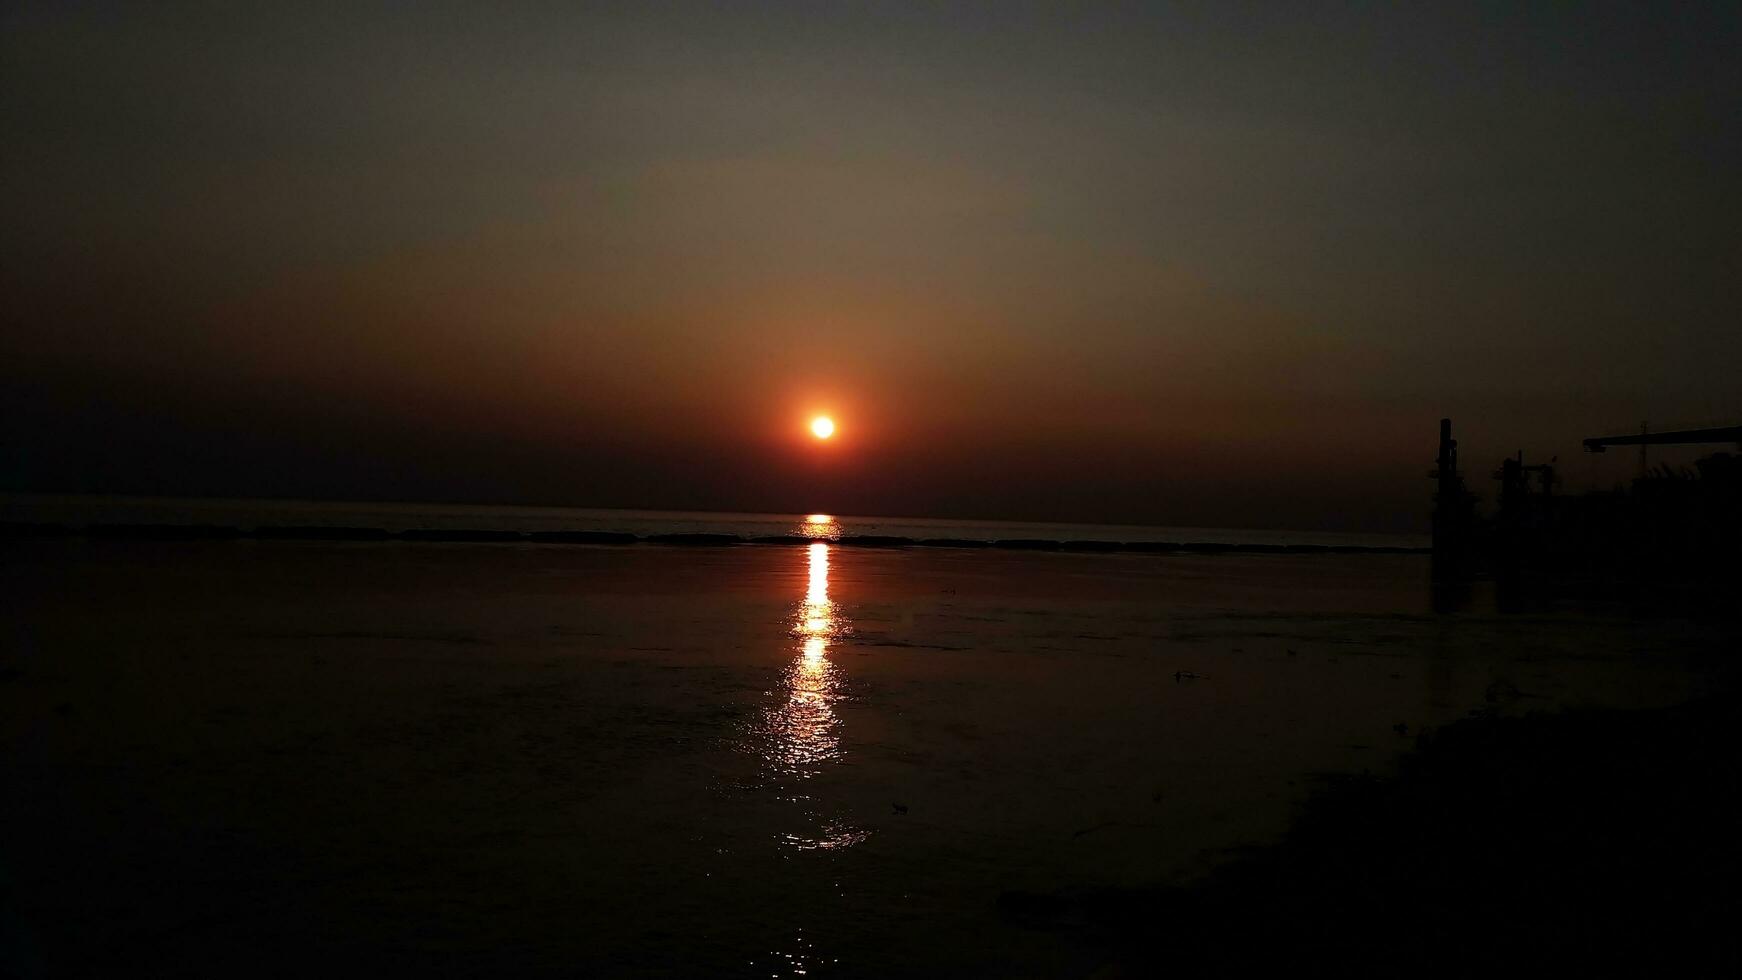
[(818, 761), (249, 514)]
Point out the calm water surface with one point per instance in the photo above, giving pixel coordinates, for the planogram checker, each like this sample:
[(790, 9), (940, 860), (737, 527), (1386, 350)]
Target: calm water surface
[(747, 761), (249, 514)]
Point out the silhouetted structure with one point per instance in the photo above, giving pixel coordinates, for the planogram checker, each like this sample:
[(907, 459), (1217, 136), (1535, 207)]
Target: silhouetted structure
[(1671, 524), (1453, 508), (1681, 437), (1524, 514)]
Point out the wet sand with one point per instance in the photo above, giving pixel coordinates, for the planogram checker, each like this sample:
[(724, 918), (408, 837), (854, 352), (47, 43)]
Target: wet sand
[(568, 759)]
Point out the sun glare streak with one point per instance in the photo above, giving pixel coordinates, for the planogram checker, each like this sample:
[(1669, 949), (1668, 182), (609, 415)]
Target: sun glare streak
[(798, 737), (820, 526), (805, 729), (814, 648), (817, 596)]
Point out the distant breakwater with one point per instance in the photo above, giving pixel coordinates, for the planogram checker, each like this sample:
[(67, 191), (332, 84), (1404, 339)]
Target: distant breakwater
[(312, 532)]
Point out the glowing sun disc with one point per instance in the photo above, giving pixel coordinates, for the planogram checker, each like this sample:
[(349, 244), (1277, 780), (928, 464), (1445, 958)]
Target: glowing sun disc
[(822, 427)]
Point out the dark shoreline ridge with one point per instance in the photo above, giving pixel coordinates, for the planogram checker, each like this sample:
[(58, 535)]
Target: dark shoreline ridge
[(1554, 843), (300, 532)]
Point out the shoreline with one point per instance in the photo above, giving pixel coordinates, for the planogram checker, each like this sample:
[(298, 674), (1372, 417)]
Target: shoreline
[(312, 532), (1553, 840)]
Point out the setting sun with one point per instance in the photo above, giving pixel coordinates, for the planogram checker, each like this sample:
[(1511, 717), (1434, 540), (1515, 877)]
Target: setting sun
[(822, 427)]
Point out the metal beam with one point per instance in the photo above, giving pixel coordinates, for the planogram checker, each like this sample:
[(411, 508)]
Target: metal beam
[(1683, 437)]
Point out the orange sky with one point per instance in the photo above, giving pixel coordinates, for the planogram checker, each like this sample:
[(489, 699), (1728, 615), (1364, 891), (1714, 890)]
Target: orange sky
[(1174, 265)]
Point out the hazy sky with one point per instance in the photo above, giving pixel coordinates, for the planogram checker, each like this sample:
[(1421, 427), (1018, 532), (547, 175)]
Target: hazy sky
[(1174, 263)]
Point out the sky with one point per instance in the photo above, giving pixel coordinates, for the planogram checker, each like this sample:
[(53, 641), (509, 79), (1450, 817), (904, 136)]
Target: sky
[(1211, 264)]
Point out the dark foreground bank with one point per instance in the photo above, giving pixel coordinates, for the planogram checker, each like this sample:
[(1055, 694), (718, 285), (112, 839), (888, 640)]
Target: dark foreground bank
[(1549, 843)]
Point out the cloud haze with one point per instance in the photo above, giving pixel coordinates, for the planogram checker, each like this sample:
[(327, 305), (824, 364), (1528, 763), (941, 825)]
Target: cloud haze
[(1194, 264)]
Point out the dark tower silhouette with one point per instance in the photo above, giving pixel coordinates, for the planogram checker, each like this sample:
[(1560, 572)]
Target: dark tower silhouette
[(1452, 511), (1526, 521)]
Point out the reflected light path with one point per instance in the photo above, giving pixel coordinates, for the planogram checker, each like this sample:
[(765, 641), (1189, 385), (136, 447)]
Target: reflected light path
[(797, 740), (805, 727), (820, 526), (802, 734)]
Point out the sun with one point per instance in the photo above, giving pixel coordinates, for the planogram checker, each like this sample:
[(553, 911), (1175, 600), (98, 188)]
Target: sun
[(822, 427)]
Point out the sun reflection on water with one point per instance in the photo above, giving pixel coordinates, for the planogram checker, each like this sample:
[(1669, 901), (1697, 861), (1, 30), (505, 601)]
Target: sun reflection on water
[(820, 526), (798, 739), (805, 727)]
